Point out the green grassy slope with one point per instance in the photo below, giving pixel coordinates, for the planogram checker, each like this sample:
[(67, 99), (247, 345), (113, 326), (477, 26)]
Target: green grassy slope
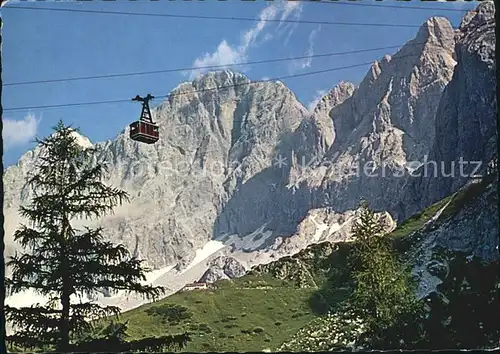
[(260, 310), (467, 195), (417, 221), (249, 314)]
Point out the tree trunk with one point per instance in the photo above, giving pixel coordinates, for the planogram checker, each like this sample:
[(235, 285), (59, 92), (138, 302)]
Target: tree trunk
[(65, 294)]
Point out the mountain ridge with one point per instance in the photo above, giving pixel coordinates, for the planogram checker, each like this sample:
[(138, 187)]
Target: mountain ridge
[(215, 176)]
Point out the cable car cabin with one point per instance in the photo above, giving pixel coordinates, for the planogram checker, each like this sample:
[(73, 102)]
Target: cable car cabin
[(144, 132)]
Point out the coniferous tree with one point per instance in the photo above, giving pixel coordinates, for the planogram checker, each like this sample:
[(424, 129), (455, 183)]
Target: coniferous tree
[(61, 262), (383, 294)]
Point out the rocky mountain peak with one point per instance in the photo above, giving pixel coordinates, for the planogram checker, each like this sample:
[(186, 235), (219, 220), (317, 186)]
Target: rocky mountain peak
[(316, 133), (393, 86), (433, 45), (220, 78), (481, 15), (335, 96), (82, 140), (389, 120), (437, 30), (477, 34)]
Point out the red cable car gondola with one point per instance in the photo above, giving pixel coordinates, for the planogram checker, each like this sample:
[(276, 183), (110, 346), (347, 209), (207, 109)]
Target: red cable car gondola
[(144, 130)]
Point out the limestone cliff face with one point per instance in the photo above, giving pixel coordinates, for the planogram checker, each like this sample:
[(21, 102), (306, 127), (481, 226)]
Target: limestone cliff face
[(245, 163), (397, 100), (388, 120), (434, 100), (217, 133), (387, 125), (316, 133), (465, 121)]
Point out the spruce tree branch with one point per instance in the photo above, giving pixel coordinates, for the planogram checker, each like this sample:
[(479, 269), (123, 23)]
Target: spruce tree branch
[(62, 261)]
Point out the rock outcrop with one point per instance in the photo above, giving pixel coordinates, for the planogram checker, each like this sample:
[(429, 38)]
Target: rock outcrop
[(467, 224), (318, 226), (222, 268)]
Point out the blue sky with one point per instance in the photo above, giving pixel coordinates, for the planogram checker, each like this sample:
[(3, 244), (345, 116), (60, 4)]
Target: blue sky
[(46, 45)]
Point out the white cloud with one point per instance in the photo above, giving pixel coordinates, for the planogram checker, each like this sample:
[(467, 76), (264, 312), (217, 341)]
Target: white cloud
[(226, 55), (19, 132), (291, 8), (317, 97), (250, 36), (306, 62)]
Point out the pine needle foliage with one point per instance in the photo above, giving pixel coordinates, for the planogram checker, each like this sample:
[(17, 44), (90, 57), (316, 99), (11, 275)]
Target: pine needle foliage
[(383, 294), (61, 262)]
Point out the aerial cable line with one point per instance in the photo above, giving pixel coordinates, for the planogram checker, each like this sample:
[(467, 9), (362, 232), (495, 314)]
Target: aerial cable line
[(218, 17), (403, 7), (334, 2), (202, 90), (204, 67)]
